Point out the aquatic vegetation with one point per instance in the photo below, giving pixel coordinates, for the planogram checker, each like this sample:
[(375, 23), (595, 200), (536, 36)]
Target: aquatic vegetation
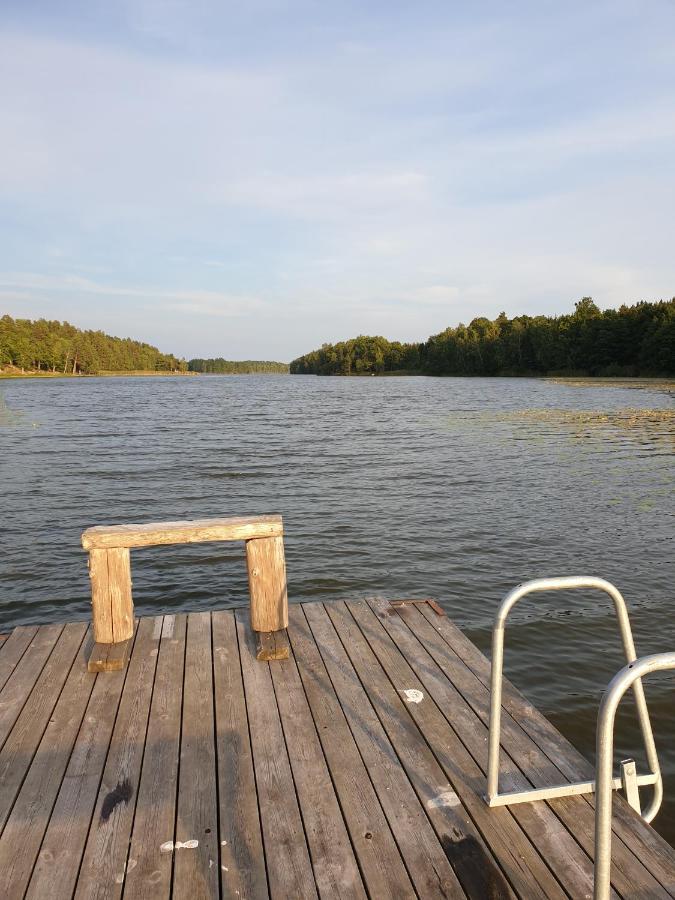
[(645, 384), (622, 418), (579, 425)]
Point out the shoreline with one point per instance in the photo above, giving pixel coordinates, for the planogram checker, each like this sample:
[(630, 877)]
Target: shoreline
[(569, 380), (134, 373)]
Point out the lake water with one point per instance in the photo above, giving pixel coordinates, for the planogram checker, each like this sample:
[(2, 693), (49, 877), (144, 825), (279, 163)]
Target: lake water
[(450, 488)]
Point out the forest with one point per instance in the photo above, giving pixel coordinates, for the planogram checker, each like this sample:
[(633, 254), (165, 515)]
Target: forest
[(636, 340), (220, 366), (47, 346)]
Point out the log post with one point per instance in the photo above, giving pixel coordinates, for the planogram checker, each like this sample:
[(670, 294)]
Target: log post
[(121, 602), (111, 599), (267, 584), (101, 610)]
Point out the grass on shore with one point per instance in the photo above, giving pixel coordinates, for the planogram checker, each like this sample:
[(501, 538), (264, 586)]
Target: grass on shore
[(15, 372)]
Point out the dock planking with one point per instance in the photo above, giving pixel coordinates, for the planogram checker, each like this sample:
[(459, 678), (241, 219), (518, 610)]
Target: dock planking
[(354, 768)]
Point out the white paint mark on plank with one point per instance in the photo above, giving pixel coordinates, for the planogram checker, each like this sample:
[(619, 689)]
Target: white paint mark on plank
[(169, 846), (128, 866), (412, 695), (445, 798), (168, 626)]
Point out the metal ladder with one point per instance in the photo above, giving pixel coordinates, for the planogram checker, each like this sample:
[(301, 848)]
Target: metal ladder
[(604, 782)]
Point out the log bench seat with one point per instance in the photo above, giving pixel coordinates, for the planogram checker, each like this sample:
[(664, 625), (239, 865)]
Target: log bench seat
[(110, 573)]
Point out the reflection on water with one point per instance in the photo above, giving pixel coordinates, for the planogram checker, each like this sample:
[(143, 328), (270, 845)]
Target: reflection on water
[(407, 487)]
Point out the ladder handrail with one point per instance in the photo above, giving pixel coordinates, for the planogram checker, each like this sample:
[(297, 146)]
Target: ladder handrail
[(629, 676), (497, 664)]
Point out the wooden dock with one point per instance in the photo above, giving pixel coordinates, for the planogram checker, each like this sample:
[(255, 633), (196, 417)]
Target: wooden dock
[(355, 768)]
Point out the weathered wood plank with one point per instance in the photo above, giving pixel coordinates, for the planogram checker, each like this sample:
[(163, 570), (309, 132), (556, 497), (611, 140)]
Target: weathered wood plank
[(557, 846), (21, 680), (428, 867), (242, 861), (13, 648), (196, 870), (644, 842), (267, 584), (471, 859), (335, 869), (27, 823), (288, 862), (101, 605), (520, 860), (109, 657), (20, 747), (104, 862), (58, 862), (391, 686), (237, 528), (155, 818), (271, 645), (380, 862)]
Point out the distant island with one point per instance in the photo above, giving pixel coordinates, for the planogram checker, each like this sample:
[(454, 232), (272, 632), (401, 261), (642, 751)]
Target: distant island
[(222, 366), (629, 342), (47, 348)]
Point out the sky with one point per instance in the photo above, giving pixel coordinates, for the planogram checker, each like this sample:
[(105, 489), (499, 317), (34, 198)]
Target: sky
[(253, 179)]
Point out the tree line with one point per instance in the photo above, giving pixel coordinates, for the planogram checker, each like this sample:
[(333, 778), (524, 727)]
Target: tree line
[(220, 366), (631, 341), (60, 347)]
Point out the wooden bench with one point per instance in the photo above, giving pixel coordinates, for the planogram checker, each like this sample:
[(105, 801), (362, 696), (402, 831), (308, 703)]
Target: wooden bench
[(110, 573)]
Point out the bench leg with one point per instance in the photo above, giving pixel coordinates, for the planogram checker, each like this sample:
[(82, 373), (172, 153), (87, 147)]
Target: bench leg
[(267, 584), (112, 603)]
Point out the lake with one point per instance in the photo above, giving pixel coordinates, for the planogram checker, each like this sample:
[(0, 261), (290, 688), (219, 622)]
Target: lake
[(450, 488)]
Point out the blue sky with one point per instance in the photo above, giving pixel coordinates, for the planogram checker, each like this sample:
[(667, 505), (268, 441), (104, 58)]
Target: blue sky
[(253, 179)]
